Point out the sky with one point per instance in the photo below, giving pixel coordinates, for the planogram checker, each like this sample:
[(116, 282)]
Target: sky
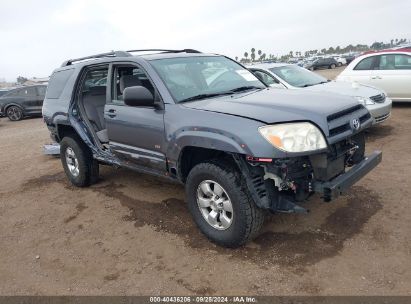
[(37, 36)]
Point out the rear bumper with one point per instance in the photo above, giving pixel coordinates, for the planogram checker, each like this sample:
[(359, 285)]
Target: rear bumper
[(337, 186)]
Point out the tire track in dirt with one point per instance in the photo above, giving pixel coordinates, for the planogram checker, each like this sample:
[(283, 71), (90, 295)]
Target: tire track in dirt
[(295, 250)]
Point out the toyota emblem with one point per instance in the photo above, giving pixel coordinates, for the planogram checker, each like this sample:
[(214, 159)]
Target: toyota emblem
[(356, 124)]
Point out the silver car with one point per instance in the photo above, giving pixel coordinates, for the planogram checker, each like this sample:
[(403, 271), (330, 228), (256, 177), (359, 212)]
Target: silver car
[(290, 76)]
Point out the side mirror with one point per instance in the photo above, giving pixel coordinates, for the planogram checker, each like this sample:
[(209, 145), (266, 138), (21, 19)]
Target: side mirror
[(138, 96)]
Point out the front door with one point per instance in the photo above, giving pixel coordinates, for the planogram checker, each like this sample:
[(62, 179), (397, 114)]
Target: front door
[(136, 134)]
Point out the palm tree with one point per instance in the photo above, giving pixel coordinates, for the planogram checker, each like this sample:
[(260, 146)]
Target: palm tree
[(246, 56), (252, 54), (236, 58)]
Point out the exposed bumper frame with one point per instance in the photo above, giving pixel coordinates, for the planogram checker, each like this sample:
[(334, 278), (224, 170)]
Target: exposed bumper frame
[(337, 186)]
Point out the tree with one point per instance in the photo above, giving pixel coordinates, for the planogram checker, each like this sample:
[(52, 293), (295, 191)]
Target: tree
[(246, 56), (21, 79), (252, 54), (291, 54), (236, 58)]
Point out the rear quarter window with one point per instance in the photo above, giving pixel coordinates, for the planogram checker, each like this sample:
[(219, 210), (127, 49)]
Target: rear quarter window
[(57, 83)]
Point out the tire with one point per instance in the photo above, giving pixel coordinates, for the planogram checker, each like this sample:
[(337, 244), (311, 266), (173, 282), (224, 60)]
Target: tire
[(78, 163), (312, 68), (14, 113), (246, 218), (339, 64), (332, 66)]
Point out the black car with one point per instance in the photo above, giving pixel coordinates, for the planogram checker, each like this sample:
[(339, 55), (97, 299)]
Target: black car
[(21, 102), (203, 120), (349, 58), (328, 63)]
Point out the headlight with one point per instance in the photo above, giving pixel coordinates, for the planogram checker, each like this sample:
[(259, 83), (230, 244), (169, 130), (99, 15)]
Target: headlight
[(294, 137), (364, 100)]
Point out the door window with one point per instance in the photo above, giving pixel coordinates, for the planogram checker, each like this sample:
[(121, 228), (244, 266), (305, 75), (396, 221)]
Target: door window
[(129, 76), (95, 78), (26, 92), (365, 64), (41, 91), (395, 62)]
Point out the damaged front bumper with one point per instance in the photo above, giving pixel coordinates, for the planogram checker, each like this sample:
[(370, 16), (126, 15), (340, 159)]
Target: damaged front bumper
[(337, 186), (280, 185)]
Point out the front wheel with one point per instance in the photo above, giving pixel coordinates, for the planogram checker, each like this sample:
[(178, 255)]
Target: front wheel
[(221, 206), (78, 163), (14, 113), (332, 66)]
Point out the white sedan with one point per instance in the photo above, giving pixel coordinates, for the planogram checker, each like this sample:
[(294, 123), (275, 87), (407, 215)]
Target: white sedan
[(389, 71), (290, 76)]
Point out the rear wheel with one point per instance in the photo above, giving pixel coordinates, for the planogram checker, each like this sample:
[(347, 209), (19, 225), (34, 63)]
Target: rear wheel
[(332, 66), (312, 68), (14, 113), (221, 206), (78, 163)]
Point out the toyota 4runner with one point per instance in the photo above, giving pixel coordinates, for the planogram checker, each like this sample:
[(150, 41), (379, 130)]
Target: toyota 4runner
[(204, 120)]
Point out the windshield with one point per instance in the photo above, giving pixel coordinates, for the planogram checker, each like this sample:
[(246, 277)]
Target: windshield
[(297, 76), (202, 77)]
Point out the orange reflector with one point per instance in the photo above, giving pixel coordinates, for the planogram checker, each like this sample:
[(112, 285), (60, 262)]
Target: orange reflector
[(275, 140)]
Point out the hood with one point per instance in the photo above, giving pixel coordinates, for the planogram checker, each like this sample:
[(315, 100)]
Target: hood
[(274, 106), (345, 88)]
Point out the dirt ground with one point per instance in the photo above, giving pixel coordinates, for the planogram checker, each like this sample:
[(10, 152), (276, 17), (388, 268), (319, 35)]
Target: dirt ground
[(131, 234)]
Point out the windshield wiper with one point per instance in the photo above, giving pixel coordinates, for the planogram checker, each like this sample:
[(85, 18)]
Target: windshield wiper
[(313, 84), (309, 85), (209, 95), (245, 88), (204, 96)]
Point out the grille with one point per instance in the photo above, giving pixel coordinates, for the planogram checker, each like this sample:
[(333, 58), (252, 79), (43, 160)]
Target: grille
[(339, 123), (382, 117), (378, 98)]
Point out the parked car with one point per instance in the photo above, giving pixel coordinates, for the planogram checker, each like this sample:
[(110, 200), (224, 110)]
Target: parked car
[(350, 57), (328, 63), (240, 148), (21, 102), (289, 76), (388, 70), (340, 60)]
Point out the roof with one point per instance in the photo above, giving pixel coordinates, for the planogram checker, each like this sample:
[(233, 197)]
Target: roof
[(153, 55), (405, 50)]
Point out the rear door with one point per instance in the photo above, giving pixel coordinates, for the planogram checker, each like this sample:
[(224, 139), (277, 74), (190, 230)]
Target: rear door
[(136, 134), (393, 74)]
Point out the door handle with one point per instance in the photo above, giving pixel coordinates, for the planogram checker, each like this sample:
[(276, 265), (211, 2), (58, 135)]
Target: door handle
[(111, 113), (376, 77)]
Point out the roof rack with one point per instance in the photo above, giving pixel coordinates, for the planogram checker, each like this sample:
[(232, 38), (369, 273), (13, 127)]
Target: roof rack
[(125, 54), (165, 51), (102, 55)]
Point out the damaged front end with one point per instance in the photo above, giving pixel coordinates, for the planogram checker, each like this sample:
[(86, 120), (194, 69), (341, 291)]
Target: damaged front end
[(279, 185)]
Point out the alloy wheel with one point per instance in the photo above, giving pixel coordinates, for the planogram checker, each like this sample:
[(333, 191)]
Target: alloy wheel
[(72, 162), (215, 205), (14, 113)]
